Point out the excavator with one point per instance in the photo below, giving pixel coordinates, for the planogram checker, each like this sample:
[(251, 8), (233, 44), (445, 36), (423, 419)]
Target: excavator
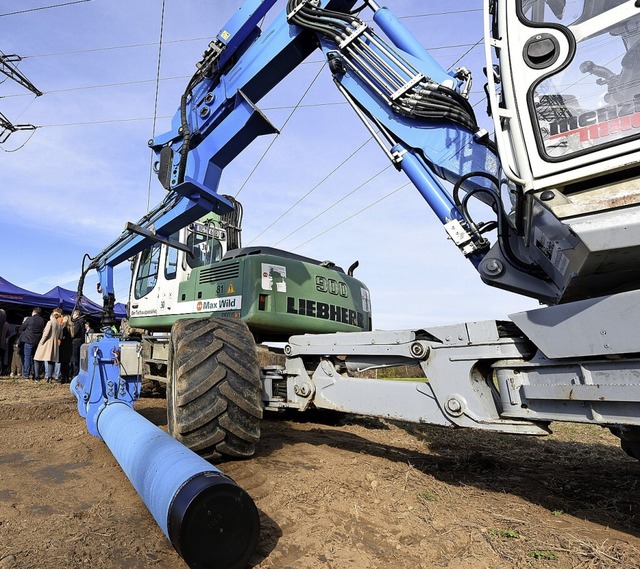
[(556, 183)]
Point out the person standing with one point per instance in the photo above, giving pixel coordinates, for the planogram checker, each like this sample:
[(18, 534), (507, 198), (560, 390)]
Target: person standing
[(88, 332), (31, 331), (77, 339), (15, 349), (66, 350), (48, 350), (4, 337)]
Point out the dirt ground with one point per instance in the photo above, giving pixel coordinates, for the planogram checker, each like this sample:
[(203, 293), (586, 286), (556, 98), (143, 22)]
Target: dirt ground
[(333, 492)]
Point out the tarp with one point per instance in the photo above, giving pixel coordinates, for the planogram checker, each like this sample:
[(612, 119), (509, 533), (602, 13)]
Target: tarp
[(21, 301), (67, 301), (12, 294)]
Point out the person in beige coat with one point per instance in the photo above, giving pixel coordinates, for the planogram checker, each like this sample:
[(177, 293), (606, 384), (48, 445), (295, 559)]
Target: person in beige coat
[(48, 348)]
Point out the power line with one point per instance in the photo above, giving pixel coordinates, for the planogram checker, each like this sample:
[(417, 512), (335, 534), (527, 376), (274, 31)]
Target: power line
[(44, 8), (334, 204), (113, 47), (187, 40), (155, 104), (352, 216), (204, 38), (134, 119), (446, 13), (466, 52), (102, 86), (285, 124), (310, 192)]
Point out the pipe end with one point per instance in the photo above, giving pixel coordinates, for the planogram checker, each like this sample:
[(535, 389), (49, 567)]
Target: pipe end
[(213, 523)]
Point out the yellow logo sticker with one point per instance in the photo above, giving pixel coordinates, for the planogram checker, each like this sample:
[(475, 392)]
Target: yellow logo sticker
[(231, 289)]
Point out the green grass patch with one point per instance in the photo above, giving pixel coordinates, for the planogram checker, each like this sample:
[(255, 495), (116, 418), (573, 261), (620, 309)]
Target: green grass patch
[(505, 533)]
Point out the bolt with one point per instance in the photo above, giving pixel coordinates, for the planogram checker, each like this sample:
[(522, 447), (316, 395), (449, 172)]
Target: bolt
[(303, 390), (493, 268), (418, 350), (204, 111), (547, 195), (454, 406)]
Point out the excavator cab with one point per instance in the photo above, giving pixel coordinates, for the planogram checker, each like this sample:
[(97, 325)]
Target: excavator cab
[(565, 100), (569, 106)]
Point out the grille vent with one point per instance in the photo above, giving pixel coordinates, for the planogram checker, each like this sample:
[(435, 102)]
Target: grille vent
[(227, 271)]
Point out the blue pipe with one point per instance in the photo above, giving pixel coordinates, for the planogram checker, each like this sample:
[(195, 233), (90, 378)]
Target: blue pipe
[(208, 518)]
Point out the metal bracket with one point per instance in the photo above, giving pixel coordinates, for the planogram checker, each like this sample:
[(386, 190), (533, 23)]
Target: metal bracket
[(314, 3), (460, 236), (151, 234), (407, 86), (357, 32)]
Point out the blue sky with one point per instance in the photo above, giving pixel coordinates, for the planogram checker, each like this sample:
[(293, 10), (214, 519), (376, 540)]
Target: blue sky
[(69, 187)]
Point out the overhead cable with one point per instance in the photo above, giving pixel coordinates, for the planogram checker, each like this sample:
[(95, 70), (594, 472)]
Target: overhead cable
[(351, 216), (44, 7), (155, 103)]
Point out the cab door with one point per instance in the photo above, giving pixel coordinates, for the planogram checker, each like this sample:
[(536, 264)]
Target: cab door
[(144, 297)]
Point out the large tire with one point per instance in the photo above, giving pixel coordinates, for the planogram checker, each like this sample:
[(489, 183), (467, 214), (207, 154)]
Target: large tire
[(629, 440), (214, 393), (632, 448)]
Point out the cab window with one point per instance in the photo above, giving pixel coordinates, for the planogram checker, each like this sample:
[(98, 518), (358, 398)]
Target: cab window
[(171, 260), (206, 250), (147, 274)]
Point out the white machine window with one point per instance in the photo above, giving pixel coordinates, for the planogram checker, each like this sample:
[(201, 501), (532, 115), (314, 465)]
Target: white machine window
[(147, 274), (206, 250), (594, 99)]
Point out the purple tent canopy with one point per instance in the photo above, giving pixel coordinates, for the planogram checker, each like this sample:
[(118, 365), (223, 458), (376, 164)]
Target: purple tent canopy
[(66, 299), (12, 294), (20, 301)]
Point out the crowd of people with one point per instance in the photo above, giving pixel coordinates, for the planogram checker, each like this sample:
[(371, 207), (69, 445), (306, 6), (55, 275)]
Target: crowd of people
[(43, 350)]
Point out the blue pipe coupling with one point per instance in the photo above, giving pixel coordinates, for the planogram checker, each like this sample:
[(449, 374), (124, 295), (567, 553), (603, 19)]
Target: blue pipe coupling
[(209, 519)]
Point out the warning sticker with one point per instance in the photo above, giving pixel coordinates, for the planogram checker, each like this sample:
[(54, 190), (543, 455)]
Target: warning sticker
[(552, 251), (274, 275), (366, 299)]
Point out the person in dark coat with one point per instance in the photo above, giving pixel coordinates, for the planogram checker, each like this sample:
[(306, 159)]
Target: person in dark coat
[(66, 350), (31, 333), (77, 339), (4, 337), (15, 349)]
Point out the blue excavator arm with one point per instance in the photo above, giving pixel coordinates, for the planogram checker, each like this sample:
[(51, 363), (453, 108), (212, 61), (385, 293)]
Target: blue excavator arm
[(399, 89), (417, 111)]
